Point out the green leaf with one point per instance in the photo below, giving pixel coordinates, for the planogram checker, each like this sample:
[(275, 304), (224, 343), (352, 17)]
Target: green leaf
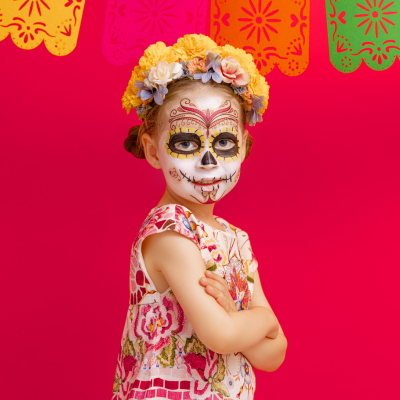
[(218, 377), (128, 349), (212, 268), (194, 345), (142, 350), (250, 279), (167, 356)]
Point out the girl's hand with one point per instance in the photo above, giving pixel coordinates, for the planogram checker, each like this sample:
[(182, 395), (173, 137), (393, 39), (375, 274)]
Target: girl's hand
[(216, 287)]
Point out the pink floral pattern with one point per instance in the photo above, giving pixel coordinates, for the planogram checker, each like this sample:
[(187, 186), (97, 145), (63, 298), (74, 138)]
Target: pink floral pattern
[(158, 341), (157, 322)]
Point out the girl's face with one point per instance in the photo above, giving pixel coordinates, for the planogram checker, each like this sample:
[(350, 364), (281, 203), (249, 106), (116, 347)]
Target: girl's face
[(200, 146)]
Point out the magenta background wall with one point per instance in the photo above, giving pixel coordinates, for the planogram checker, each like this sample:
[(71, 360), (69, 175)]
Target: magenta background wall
[(319, 197)]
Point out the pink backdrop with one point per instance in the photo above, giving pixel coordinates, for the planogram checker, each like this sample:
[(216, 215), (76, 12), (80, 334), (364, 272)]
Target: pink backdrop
[(319, 196)]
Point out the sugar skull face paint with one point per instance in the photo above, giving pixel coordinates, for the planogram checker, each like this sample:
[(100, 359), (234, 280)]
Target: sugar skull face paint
[(202, 150)]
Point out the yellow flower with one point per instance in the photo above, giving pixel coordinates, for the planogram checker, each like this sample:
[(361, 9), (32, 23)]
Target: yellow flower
[(177, 53), (173, 55), (129, 99), (195, 46), (136, 76), (153, 54), (259, 87), (262, 111), (159, 52), (245, 59)]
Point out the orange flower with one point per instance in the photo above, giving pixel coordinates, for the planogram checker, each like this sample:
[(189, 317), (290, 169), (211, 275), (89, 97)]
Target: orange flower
[(195, 64), (247, 94), (249, 101)]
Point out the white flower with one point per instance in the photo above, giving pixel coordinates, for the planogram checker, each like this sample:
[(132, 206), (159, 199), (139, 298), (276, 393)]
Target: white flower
[(147, 83), (164, 73)]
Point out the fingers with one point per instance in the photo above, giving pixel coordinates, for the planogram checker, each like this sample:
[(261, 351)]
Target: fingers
[(229, 304), (217, 288), (218, 296), (212, 287), (221, 301), (218, 278), (211, 282), (218, 284), (213, 291), (212, 276)]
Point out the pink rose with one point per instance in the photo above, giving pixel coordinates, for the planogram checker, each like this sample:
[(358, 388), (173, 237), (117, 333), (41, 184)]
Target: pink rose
[(232, 72)]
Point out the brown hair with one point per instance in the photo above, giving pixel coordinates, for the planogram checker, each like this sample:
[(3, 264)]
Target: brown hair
[(151, 125)]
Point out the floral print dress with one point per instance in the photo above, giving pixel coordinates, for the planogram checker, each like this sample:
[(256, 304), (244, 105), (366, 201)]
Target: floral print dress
[(161, 356)]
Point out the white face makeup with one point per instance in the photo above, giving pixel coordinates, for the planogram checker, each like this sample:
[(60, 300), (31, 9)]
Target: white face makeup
[(200, 148)]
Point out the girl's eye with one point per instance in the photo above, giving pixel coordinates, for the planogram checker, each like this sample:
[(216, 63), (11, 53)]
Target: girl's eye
[(184, 143), (188, 146), (224, 144)]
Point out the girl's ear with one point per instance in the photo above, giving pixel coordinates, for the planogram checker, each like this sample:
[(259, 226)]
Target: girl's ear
[(243, 145), (151, 150)]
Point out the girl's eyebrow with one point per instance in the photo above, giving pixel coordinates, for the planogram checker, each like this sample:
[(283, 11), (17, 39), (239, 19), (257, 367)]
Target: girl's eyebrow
[(184, 135)]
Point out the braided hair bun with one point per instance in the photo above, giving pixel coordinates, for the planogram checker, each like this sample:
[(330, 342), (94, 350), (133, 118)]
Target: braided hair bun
[(133, 143)]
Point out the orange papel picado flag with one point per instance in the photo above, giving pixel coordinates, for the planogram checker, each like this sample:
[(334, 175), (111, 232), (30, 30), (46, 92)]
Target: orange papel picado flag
[(275, 32)]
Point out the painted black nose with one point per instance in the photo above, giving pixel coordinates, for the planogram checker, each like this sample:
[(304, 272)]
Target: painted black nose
[(208, 158)]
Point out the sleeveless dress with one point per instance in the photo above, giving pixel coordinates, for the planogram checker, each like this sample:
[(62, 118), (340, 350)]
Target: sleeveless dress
[(161, 356)]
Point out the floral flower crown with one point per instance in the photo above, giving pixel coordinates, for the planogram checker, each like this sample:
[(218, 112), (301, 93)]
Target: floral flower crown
[(196, 57)]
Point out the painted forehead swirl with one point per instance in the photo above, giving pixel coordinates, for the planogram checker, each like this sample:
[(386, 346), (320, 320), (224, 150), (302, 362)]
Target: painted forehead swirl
[(187, 114)]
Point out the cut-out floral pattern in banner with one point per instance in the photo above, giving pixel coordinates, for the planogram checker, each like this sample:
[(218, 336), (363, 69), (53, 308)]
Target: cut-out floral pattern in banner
[(275, 32), (133, 25), (366, 30), (29, 22)]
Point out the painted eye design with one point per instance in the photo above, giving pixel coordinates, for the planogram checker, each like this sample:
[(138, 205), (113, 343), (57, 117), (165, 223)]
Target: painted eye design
[(186, 146), (184, 143), (225, 145)]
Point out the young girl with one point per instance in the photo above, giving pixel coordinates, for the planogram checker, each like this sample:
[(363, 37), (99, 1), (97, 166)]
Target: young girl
[(191, 272)]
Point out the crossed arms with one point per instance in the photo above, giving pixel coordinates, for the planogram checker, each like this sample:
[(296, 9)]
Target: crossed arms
[(248, 331)]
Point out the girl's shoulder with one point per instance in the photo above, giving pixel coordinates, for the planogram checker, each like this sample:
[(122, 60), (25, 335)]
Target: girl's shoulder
[(169, 217)]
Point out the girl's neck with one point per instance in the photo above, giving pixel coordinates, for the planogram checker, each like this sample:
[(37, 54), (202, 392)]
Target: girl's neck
[(203, 212)]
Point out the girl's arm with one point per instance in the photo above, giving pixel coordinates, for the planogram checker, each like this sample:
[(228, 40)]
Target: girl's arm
[(180, 262), (266, 355), (269, 354)]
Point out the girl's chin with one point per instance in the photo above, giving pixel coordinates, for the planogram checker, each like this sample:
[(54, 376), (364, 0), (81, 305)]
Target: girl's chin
[(200, 193)]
